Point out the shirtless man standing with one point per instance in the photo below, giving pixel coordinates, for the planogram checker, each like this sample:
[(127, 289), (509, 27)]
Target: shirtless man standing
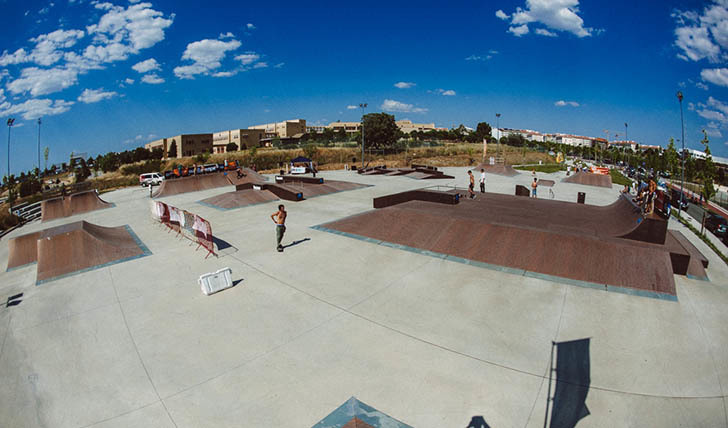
[(471, 193), (279, 218)]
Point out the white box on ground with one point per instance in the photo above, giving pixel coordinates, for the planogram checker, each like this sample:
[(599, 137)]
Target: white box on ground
[(216, 281)]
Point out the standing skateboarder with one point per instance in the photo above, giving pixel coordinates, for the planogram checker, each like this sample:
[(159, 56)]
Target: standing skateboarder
[(279, 218), (534, 185), (482, 180), (471, 186)]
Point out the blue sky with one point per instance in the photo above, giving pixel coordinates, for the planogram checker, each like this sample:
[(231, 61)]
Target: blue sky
[(112, 76)]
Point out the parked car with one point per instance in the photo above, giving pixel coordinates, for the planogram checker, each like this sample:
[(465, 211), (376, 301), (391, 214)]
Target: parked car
[(210, 167), (169, 174), (716, 224), (678, 196), (150, 179)]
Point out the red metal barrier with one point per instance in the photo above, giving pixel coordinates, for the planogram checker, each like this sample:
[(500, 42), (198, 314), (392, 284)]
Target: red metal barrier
[(191, 226)]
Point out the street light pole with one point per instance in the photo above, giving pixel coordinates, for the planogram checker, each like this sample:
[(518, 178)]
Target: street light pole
[(39, 147), (497, 126), (625, 132), (682, 154), (362, 106), (10, 125)]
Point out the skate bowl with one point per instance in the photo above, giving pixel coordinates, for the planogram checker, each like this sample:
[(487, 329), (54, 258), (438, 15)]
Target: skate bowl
[(589, 179), (195, 183), (76, 203), (505, 170), (612, 247), (74, 248)]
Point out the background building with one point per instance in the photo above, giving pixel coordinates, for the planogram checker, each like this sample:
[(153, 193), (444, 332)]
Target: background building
[(407, 126), (348, 127), (187, 144), (284, 130), (242, 138)]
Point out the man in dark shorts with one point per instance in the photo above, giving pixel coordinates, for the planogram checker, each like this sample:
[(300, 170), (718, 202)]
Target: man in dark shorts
[(471, 186), (482, 180), (279, 218)]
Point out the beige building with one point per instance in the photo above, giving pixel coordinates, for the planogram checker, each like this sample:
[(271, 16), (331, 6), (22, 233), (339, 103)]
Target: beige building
[(243, 138), (284, 130), (407, 126), (187, 144), (348, 127)]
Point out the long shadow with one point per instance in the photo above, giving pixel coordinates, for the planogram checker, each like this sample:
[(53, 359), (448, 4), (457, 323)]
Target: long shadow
[(221, 244), (478, 422), (296, 242), (572, 383), (237, 281)]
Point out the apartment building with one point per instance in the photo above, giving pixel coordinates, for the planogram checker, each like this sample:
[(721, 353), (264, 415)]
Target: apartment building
[(406, 126), (243, 138), (624, 144), (348, 127), (187, 144), (284, 130)]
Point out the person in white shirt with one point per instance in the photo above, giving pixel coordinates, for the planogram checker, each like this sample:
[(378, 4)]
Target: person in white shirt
[(482, 180)]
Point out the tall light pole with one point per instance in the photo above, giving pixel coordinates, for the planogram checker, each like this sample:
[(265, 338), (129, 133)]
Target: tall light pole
[(10, 125), (625, 132), (497, 126), (362, 106), (682, 154), (39, 148)]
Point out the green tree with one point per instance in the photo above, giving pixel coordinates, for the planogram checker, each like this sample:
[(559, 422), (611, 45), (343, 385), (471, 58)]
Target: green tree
[(83, 172), (46, 152), (671, 157), (310, 150), (708, 171), (231, 147), (380, 130), (172, 152), (483, 130)]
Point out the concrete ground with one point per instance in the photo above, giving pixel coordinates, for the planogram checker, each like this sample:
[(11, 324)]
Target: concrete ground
[(429, 342)]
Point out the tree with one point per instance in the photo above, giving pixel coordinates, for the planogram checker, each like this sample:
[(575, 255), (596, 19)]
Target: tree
[(670, 156), (708, 170), (46, 151), (172, 152), (83, 173), (380, 130), (231, 147), (483, 130)]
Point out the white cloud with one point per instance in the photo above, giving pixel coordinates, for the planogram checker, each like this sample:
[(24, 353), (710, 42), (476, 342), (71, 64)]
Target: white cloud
[(18, 57), (152, 79), (227, 35), (43, 81), (124, 31), (146, 66), (475, 58), (400, 107), (519, 30), (404, 85), (558, 15), (351, 107), (35, 108), (206, 56), (448, 92), (49, 47), (703, 35), (225, 73), (702, 86), (247, 58), (718, 105), (250, 26), (712, 132), (89, 96), (261, 64), (279, 65), (716, 76), (544, 32), (562, 103), (129, 81)]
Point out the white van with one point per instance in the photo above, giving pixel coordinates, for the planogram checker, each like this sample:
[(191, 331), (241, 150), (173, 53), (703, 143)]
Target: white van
[(150, 179)]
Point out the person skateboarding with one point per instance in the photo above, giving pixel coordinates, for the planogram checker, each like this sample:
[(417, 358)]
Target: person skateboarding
[(279, 218), (482, 180), (471, 186)]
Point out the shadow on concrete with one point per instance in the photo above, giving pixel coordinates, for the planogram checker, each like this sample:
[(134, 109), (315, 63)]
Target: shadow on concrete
[(300, 241), (477, 422), (14, 300), (237, 281), (223, 247), (572, 383)]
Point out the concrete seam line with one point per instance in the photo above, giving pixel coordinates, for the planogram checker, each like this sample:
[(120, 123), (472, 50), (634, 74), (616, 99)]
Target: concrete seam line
[(136, 349), (5, 337), (712, 358)]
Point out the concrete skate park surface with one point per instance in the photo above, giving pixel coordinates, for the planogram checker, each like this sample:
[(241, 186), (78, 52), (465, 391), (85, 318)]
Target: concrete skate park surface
[(427, 341)]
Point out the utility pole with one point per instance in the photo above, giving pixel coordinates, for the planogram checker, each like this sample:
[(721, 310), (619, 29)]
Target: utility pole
[(682, 154), (362, 106), (10, 122), (497, 126), (39, 147)]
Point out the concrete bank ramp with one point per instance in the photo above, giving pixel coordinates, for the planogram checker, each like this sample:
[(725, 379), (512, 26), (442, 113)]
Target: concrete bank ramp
[(73, 248), (76, 203), (589, 179), (196, 183), (505, 170)]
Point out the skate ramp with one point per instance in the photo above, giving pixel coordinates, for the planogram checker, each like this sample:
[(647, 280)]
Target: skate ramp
[(196, 183), (255, 193), (76, 203), (505, 170), (589, 179), (73, 248), (593, 245)]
